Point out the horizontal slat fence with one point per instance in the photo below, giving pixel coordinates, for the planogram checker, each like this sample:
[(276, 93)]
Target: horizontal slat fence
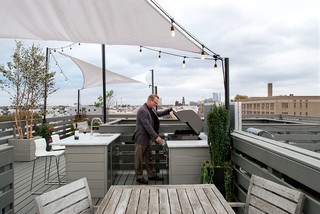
[(282, 163)]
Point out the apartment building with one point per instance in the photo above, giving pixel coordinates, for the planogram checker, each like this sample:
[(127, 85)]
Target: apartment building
[(292, 105)]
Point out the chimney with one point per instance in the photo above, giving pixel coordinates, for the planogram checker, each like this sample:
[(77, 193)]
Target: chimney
[(269, 89)]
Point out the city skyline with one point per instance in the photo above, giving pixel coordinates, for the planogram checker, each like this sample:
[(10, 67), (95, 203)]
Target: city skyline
[(266, 41)]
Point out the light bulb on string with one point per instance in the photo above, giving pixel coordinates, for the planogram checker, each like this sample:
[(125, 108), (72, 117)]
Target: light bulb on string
[(79, 44), (159, 57), (61, 73), (70, 48), (215, 66), (66, 80), (184, 62), (54, 50), (56, 64), (140, 51), (202, 54), (172, 29), (62, 50)]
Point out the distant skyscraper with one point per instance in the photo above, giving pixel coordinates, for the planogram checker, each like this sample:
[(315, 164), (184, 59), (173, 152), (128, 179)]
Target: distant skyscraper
[(183, 102), (217, 97)]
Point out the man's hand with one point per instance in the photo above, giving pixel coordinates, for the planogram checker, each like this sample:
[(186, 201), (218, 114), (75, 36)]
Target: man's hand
[(159, 140)]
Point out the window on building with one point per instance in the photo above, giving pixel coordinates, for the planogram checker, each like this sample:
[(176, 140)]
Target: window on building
[(262, 112), (306, 113), (254, 106), (258, 106), (285, 105), (284, 112), (243, 105), (272, 112), (306, 105), (271, 106), (294, 113), (300, 113), (295, 105)]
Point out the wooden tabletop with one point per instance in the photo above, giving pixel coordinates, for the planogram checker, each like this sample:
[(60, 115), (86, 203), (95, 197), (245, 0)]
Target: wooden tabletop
[(198, 198)]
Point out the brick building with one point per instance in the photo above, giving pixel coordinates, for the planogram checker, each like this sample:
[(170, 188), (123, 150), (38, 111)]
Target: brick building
[(292, 105)]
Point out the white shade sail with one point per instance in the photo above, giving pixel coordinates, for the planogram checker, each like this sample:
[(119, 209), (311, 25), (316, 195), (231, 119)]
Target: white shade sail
[(92, 74), (110, 22)]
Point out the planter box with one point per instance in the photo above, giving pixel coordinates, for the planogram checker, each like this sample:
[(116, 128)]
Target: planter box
[(24, 149)]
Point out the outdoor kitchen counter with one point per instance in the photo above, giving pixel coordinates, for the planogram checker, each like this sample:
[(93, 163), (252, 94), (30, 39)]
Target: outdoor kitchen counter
[(185, 157), (92, 156), (189, 143), (89, 140)]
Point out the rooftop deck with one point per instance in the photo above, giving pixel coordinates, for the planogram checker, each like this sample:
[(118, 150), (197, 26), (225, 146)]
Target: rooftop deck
[(24, 200)]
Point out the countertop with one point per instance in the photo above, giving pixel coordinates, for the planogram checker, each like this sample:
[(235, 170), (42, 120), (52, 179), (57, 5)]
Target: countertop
[(97, 139), (189, 143)]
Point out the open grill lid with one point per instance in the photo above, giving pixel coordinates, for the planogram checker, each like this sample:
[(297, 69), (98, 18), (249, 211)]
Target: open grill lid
[(190, 118)]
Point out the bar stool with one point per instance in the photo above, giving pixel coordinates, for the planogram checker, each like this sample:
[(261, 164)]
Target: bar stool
[(40, 146), (56, 138)]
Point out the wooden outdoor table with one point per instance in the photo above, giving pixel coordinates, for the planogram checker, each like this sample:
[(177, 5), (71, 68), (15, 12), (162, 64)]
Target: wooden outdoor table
[(198, 198)]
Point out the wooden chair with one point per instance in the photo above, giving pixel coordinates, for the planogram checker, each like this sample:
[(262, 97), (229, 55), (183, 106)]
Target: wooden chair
[(74, 197), (265, 196)]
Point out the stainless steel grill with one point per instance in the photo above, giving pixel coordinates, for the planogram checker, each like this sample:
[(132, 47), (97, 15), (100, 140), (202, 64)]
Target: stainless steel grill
[(192, 120)]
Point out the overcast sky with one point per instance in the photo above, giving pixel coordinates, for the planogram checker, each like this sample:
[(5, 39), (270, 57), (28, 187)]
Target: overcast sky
[(266, 41)]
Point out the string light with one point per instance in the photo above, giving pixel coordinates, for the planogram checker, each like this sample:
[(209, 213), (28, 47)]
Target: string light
[(54, 50), (215, 65), (62, 50), (184, 62), (172, 29), (159, 57), (140, 51), (202, 54), (70, 48), (79, 43)]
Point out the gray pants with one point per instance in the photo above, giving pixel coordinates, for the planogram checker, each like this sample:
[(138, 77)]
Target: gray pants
[(143, 152)]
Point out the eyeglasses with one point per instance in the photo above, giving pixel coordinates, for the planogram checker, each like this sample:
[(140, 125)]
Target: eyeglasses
[(155, 102)]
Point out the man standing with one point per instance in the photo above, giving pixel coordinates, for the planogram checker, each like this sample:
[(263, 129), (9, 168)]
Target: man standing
[(147, 128)]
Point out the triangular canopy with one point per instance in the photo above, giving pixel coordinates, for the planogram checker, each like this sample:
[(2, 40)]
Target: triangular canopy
[(110, 22), (92, 74)]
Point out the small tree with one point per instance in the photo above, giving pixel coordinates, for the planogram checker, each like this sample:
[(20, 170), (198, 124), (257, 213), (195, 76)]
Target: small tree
[(109, 100), (24, 80)]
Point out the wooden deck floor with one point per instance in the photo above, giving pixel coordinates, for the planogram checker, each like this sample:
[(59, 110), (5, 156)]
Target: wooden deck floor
[(24, 200)]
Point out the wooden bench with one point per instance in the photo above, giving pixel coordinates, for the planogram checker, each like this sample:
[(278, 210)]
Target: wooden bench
[(265, 196), (71, 198)]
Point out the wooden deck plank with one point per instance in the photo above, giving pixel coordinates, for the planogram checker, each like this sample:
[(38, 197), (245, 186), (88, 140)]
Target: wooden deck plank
[(133, 203), (174, 201), (143, 201), (164, 201), (194, 201), (154, 206), (184, 201)]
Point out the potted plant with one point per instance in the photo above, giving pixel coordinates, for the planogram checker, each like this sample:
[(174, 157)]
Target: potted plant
[(45, 130), (218, 169), (26, 80)]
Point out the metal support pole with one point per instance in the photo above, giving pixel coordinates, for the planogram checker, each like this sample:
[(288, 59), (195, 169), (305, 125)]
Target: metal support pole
[(104, 84), (156, 92), (152, 81), (78, 113), (226, 84), (44, 120)]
